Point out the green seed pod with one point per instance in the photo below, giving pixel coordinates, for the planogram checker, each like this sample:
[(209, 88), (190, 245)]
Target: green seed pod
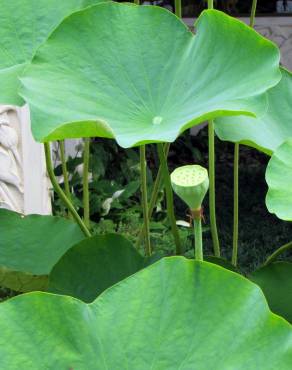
[(191, 184)]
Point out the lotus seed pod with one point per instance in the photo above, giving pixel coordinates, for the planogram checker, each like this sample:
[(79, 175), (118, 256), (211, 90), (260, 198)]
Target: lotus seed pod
[(191, 184)]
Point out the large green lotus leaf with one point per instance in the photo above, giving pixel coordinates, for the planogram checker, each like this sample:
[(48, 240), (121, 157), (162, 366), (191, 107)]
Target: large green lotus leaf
[(275, 281), (175, 314), (30, 246), (279, 180), (137, 74), (268, 131), (93, 265), (25, 25)]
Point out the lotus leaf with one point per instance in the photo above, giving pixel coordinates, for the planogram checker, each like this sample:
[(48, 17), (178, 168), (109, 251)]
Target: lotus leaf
[(275, 280), (116, 70), (25, 25), (175, 314), (30, 246), (95, 264), (268, 131), (279, 179)]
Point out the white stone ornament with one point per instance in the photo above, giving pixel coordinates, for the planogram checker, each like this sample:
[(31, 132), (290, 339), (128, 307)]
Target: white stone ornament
[(24, 185)]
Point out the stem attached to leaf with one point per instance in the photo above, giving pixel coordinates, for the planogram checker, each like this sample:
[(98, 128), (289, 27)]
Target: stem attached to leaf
[(235, 205), (61, 193), (197, 219), (153, 200), (235, 169), (279, 251), (177, 8), (86, 209), (65, 172), (212, 196), (143, 166), (169, 197)]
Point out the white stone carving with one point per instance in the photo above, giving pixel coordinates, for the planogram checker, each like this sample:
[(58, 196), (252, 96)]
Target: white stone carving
[(24, 185), (11, 186)]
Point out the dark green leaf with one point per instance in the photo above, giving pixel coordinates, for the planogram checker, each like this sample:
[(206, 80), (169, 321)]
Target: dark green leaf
[(30, 246), (275, 280), (94, 265)]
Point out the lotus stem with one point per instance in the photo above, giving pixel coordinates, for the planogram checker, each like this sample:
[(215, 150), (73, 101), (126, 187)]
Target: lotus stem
[(253, 13), (61, 193), (143, 167), (212, 196), (169, 197), (137, 2), (153, 200), (65, 172), (235, 205), (210, 4), (279, 251), (86, 207), (197, 219), (235, 169), (177, 8), (212, 189)]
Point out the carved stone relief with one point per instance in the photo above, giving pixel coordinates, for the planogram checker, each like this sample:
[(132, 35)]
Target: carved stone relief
[(11, 176), (24, 185)]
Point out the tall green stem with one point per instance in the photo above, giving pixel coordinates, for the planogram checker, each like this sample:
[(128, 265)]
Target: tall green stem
[(61, 193), (235, 205), (235, 169), (137, 2), (143, 166), (253, 13), (86, 210), (65, 172), (169, 197), (212, 196), (177, 8), (154, 195), (198, 239), (279, 251), (64, 169)]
